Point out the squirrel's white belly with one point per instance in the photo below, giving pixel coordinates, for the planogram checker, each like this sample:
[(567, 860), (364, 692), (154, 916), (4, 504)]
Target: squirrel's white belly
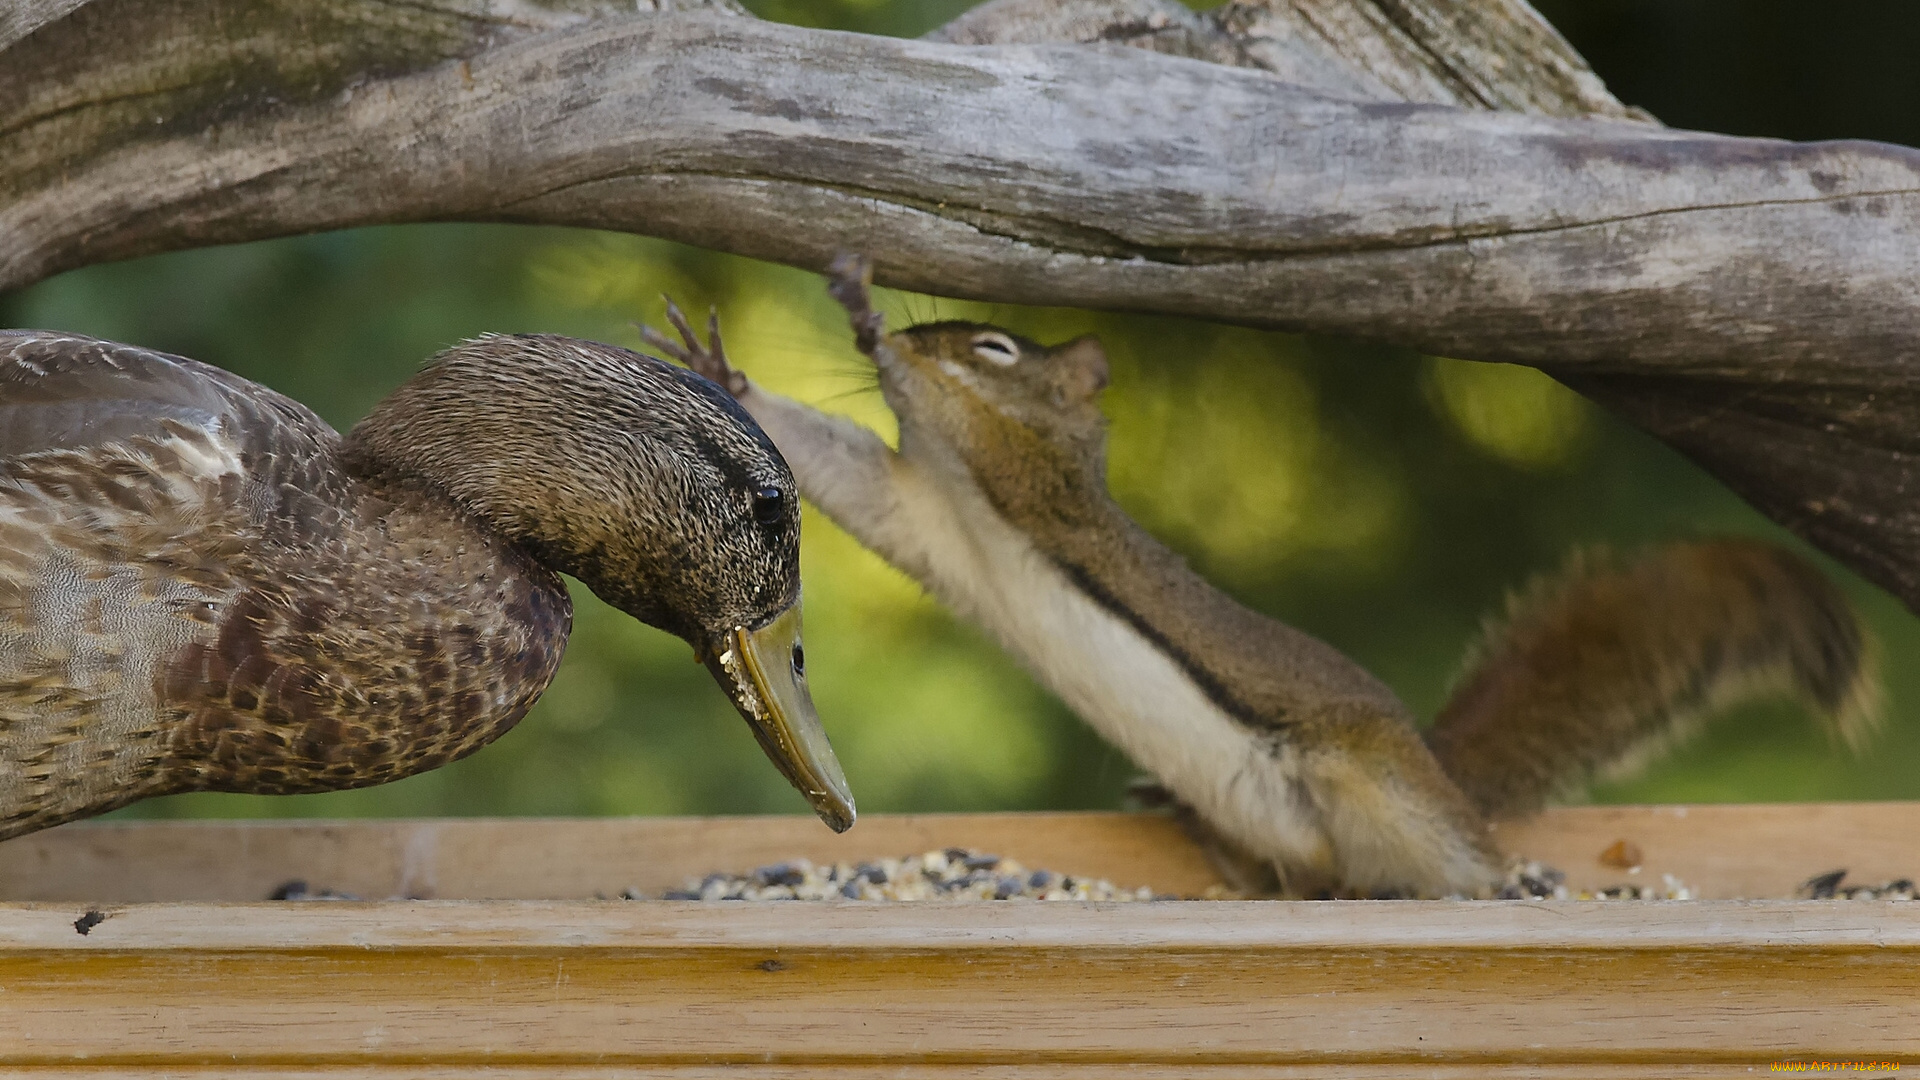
[(1133, 694)]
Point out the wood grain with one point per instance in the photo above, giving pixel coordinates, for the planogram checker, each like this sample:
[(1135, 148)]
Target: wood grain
[(1727, 851), (1226, 984), (1476, 54), (552, 858), (610, 988), (905, 1071), (1721, 852)]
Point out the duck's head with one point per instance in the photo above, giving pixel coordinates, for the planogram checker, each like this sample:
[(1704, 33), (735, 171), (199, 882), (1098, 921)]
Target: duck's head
[(647, 483)]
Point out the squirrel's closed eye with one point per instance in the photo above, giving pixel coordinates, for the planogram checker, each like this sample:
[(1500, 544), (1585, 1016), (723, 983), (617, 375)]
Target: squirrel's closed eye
[(996, 348), (767, 506)]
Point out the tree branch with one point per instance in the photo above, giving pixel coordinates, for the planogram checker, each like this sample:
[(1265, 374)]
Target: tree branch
[(1476, 54), (1749, 300)]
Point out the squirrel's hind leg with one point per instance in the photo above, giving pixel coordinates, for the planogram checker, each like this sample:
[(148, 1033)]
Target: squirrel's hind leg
[(1239, 869), (1397, 826)]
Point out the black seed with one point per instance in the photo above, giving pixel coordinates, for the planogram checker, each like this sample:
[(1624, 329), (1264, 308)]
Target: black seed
[(1824, 886), (779, 874)]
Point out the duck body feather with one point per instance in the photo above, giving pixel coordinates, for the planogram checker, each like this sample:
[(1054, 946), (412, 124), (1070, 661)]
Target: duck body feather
[(197, 593)]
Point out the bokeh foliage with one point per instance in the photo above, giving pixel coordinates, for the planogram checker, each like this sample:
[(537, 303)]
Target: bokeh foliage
[(1382, 500)]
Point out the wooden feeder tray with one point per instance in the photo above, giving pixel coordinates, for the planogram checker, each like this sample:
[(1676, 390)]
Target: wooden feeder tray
[(147, 949)]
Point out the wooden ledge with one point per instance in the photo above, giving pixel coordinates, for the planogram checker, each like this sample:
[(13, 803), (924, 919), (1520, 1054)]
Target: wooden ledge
[(514, 989), (635, 988), (521, 927), (1720, 852)]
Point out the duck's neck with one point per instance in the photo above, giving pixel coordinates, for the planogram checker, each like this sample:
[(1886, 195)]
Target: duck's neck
[(424, 451)]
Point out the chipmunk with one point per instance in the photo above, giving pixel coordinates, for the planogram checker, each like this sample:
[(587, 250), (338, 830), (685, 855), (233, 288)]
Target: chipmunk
[(1292, 755)]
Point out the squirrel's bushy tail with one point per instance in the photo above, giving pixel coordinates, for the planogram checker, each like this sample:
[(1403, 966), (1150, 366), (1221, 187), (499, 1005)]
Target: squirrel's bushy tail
[(1608, 661)]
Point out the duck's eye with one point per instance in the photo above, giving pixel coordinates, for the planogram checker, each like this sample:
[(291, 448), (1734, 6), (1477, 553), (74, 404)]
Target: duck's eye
[(995, 348), (767, 507), (799, 661)]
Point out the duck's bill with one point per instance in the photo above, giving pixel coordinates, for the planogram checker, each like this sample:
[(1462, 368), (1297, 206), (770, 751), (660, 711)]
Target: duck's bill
[(761, 671)]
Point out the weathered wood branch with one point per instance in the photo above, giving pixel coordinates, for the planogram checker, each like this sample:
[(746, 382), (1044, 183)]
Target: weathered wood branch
[(1752, 301), (1476, 54)]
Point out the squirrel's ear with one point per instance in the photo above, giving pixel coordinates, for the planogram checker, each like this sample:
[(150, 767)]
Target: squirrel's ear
[(1082, 367)]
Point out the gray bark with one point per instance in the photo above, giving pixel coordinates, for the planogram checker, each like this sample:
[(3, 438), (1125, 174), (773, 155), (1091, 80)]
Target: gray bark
[(1485, 54), (1441, 174)]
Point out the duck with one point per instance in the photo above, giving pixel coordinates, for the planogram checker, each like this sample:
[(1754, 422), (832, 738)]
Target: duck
[(205, 587)]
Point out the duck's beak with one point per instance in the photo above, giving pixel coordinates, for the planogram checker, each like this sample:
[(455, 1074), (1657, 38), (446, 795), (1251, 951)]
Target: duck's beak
[(763, 671)]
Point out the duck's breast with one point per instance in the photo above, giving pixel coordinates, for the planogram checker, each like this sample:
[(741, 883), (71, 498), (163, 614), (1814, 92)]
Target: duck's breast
[(376, 634)]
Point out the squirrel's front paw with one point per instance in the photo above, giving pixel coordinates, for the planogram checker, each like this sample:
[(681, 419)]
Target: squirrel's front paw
[(709, 360), (850, 281)]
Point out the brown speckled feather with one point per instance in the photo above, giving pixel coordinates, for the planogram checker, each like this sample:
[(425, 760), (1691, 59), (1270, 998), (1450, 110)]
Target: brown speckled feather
[(195, 595)]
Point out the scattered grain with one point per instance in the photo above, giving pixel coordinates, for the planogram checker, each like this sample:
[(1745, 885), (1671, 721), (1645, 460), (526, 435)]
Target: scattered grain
[(951, 875)]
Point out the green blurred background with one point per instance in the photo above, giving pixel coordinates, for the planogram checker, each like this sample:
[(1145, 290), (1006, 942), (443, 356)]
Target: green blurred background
[(1382, 500)]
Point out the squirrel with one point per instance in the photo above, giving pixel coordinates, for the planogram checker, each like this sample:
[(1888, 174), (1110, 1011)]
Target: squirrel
[(1308, 775)]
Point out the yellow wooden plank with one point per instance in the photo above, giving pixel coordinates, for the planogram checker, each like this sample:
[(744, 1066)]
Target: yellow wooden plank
[(508, 858), (1037, 1071), (1728, 851), (1719, 851), (523, 984), (1624, 927)]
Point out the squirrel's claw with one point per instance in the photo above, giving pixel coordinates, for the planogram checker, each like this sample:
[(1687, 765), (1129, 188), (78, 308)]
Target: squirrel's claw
[(709, 360), (850, 281)]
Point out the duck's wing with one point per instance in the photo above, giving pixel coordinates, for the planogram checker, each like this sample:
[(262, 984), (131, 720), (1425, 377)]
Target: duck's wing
[(69, 392), (132, 484)]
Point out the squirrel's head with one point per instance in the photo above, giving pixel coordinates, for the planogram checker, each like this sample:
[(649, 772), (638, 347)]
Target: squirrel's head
[(1024, 417)]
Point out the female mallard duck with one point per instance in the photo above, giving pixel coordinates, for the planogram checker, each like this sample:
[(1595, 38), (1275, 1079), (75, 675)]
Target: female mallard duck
[(204, 587)]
